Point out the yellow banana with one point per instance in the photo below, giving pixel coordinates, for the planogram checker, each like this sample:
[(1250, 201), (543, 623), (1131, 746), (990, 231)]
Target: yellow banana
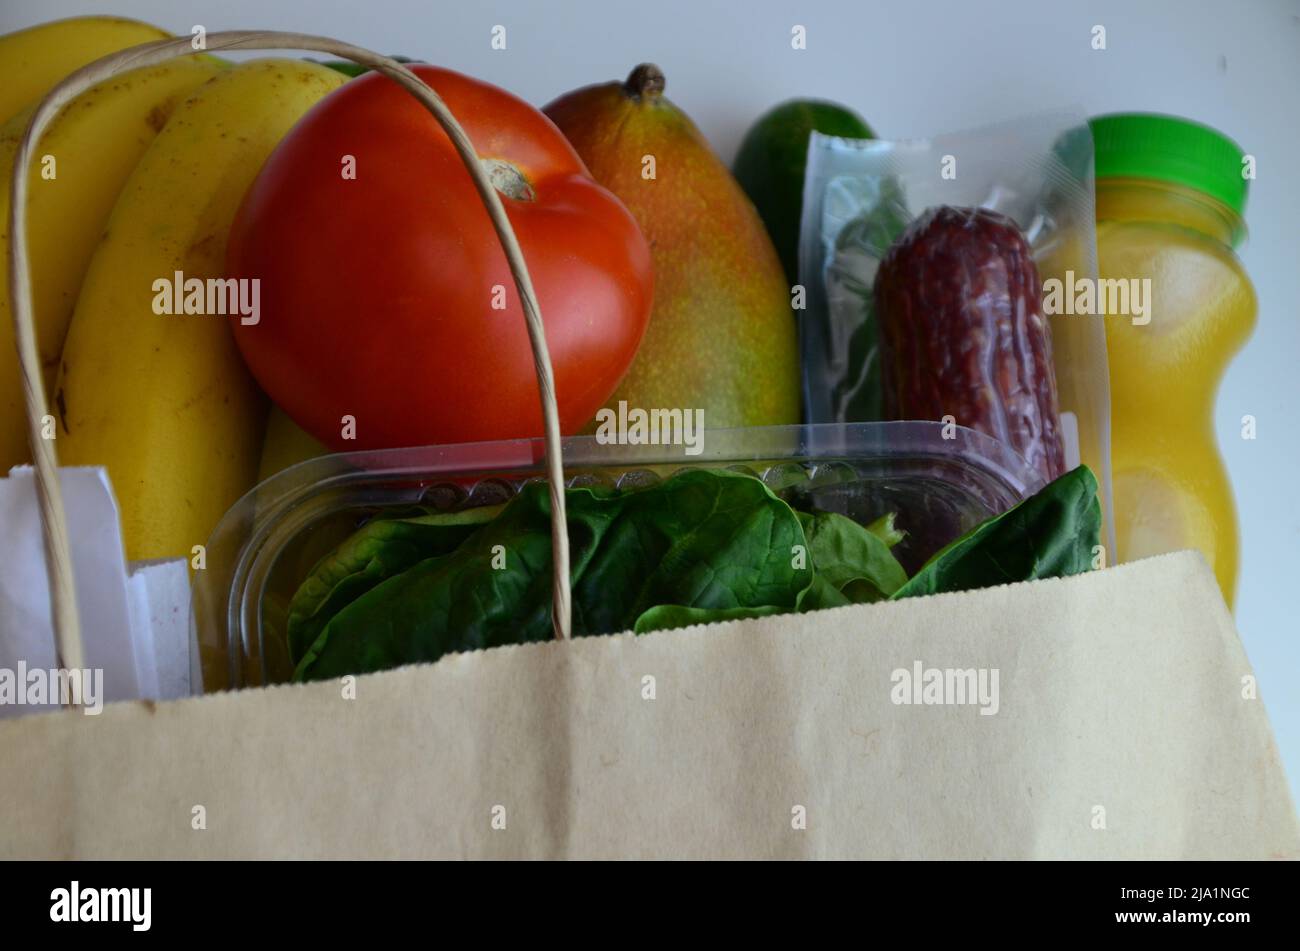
[(286, 444), (38, 57), (164, 401), (86, 154)]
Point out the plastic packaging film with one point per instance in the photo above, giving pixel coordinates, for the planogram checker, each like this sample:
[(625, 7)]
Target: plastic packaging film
[(862, 196)]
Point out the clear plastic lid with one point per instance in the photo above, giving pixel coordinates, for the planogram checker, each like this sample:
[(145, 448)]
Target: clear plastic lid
[(941, 480)]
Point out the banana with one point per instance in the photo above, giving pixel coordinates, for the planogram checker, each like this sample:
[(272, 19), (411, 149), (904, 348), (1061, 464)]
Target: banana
[(286, 444), (164, 401), (35, 59), (86, 154)]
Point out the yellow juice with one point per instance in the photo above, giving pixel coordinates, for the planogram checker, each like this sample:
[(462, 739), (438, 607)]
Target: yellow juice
[(1171, 490)]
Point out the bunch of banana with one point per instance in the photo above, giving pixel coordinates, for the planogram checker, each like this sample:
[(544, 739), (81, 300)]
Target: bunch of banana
[(79, 168), (135, 180), (165, 402)]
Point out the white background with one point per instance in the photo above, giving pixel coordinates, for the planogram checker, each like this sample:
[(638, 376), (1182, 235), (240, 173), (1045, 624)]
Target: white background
[(916, 68)]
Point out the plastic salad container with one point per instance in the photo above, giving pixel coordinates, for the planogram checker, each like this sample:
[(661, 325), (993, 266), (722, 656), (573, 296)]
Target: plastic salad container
[(268, 542)]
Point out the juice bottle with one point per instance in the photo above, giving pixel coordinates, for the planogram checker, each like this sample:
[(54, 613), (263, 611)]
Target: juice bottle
[(1170, 199)]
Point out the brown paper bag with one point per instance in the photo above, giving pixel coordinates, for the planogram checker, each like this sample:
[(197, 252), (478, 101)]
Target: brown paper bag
[(1125, 727), (1109, 715)]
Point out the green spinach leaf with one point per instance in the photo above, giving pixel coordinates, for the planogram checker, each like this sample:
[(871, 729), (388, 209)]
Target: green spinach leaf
[(853, 559), (666, 616), (380, 549), (885, 529), (706, 540), (1049, 535), (703, 546)]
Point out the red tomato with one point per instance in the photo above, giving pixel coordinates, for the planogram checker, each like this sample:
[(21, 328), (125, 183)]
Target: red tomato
[(386, 297)]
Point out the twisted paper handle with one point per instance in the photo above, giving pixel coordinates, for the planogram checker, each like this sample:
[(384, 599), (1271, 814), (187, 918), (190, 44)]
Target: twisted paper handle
[(63, 600)]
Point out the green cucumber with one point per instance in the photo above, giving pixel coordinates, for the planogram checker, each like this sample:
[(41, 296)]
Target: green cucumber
[(771, 162)]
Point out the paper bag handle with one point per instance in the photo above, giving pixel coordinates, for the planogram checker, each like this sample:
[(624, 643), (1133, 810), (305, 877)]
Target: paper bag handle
[(63, 600)]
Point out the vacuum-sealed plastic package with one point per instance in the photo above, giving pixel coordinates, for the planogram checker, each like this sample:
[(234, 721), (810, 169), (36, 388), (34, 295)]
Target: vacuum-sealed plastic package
[(934, 271)]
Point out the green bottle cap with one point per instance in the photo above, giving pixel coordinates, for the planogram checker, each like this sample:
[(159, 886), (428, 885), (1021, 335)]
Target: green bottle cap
[(1169, 149)]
